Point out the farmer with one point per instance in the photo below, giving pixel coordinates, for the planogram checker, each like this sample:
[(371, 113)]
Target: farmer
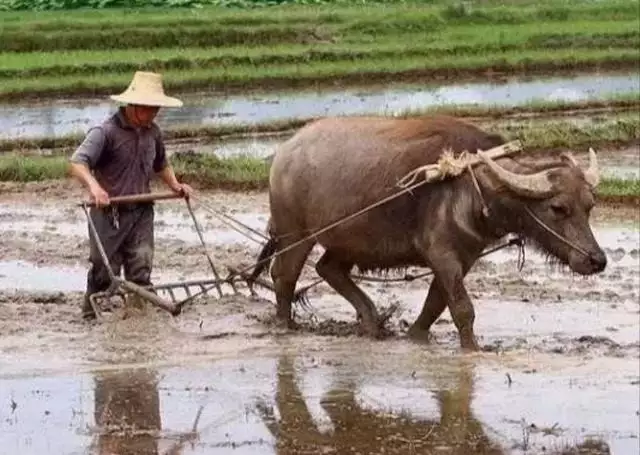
[(117, 158)]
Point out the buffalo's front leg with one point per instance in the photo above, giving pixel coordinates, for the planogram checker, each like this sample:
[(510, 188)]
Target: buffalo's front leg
[(336, 274), (448, 290), (462, 312)]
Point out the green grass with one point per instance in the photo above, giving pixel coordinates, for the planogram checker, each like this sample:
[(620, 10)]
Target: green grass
[(567, 135), (617, 187), (209, 171), (304, 75), (536, 136), (93, 52), (236, 173), (449, 43), (609, 129), (428, 27), (482, 11)]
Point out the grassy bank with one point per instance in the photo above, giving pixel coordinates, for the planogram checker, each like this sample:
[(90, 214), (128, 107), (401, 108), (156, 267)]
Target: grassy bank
[(618, 125), (240, 174), (235, 78), (94, 52)]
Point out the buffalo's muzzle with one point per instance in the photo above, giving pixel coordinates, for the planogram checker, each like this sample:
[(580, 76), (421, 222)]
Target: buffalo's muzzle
[(598, 261)]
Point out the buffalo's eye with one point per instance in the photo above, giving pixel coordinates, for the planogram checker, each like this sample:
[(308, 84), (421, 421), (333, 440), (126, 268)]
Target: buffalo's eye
[(560, 210)]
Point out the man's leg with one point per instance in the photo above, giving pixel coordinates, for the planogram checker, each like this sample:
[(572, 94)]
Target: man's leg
[(137, 251), (98, 276)]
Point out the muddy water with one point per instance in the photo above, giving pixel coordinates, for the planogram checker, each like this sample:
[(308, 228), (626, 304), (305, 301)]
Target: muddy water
[(31, 277), (323, 402), (56, 118), (560, 365)]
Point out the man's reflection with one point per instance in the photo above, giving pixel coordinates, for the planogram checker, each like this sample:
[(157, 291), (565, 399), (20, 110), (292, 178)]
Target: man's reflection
[(127, 412)]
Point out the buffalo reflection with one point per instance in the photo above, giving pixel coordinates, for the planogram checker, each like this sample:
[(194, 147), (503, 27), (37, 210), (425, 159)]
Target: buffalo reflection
[(357, 430)]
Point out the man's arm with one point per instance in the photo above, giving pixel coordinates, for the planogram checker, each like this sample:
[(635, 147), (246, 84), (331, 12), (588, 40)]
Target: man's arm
[(169, 178), (84, 159), (165, 171)]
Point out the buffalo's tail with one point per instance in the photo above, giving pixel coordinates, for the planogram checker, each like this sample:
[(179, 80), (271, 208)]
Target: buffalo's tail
[(265, 257)]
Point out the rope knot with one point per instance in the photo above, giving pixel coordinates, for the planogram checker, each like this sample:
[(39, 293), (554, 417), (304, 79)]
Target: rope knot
[(446, 166), (449, 165)]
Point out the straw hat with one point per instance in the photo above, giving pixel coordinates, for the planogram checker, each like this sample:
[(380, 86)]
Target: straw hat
[(146, 89)]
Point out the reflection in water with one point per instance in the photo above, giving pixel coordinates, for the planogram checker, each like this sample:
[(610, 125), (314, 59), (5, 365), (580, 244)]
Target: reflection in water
[(358, 430), (365, 431), (127, 412), (133, 412)]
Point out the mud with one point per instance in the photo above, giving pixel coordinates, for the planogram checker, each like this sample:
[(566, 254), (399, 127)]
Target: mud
[(57, 118), (559, 365)]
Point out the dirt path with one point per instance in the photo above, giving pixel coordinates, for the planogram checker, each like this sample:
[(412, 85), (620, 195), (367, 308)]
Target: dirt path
[(553, 341)]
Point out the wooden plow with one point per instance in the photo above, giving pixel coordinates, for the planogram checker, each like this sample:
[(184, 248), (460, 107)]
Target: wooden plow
[(121, 288), (447, 166)]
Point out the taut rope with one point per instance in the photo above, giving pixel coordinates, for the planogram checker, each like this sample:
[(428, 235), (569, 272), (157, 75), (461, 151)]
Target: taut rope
[(447, 165)]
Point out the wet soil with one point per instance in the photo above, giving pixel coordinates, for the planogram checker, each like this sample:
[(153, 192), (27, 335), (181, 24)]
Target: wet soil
[(559, 365)]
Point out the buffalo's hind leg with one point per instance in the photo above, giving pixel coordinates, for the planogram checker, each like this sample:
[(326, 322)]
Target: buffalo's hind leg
[(285, 273), (336, 274)]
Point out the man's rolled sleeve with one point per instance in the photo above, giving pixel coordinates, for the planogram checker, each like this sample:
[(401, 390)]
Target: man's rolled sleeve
[(89, 151)]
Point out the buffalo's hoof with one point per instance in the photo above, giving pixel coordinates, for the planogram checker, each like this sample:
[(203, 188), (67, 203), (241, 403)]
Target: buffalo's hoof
[(370, 330), (420, 335), (285, 324), (469, 344)]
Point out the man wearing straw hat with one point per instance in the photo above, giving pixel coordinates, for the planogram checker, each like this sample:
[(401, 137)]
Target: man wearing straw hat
[(120, 157)]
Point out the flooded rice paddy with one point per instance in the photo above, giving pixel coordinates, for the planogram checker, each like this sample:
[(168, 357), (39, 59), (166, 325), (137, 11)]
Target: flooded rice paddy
[(560, 366), (559, 372), (57, 118)]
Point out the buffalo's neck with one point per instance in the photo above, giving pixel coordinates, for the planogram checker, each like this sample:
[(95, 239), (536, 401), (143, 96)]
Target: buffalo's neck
[(453, 213), (504, 215)]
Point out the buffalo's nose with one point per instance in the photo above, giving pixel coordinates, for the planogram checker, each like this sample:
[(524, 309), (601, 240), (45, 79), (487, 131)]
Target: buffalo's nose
[(598, 261)]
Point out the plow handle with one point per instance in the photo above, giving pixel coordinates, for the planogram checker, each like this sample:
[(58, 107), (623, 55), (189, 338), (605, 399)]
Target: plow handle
[(138, 198)]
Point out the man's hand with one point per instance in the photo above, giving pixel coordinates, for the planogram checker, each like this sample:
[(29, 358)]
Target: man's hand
[(99, 196), (169, 178), (183, 189)]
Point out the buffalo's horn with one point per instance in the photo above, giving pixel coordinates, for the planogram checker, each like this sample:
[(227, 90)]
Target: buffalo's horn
[(592, 174), (528, 185)]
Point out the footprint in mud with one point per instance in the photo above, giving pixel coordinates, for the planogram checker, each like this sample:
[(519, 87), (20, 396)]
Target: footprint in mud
[(615, 255), (390, 323), (589, 344)]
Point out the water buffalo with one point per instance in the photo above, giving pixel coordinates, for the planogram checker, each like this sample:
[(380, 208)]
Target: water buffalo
[(334, 167)]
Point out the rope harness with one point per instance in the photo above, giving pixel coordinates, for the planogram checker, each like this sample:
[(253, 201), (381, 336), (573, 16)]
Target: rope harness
[(447, 166), (555, 234)]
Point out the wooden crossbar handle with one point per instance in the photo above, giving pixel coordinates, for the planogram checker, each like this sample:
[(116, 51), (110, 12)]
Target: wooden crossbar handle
[(138, 198)]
